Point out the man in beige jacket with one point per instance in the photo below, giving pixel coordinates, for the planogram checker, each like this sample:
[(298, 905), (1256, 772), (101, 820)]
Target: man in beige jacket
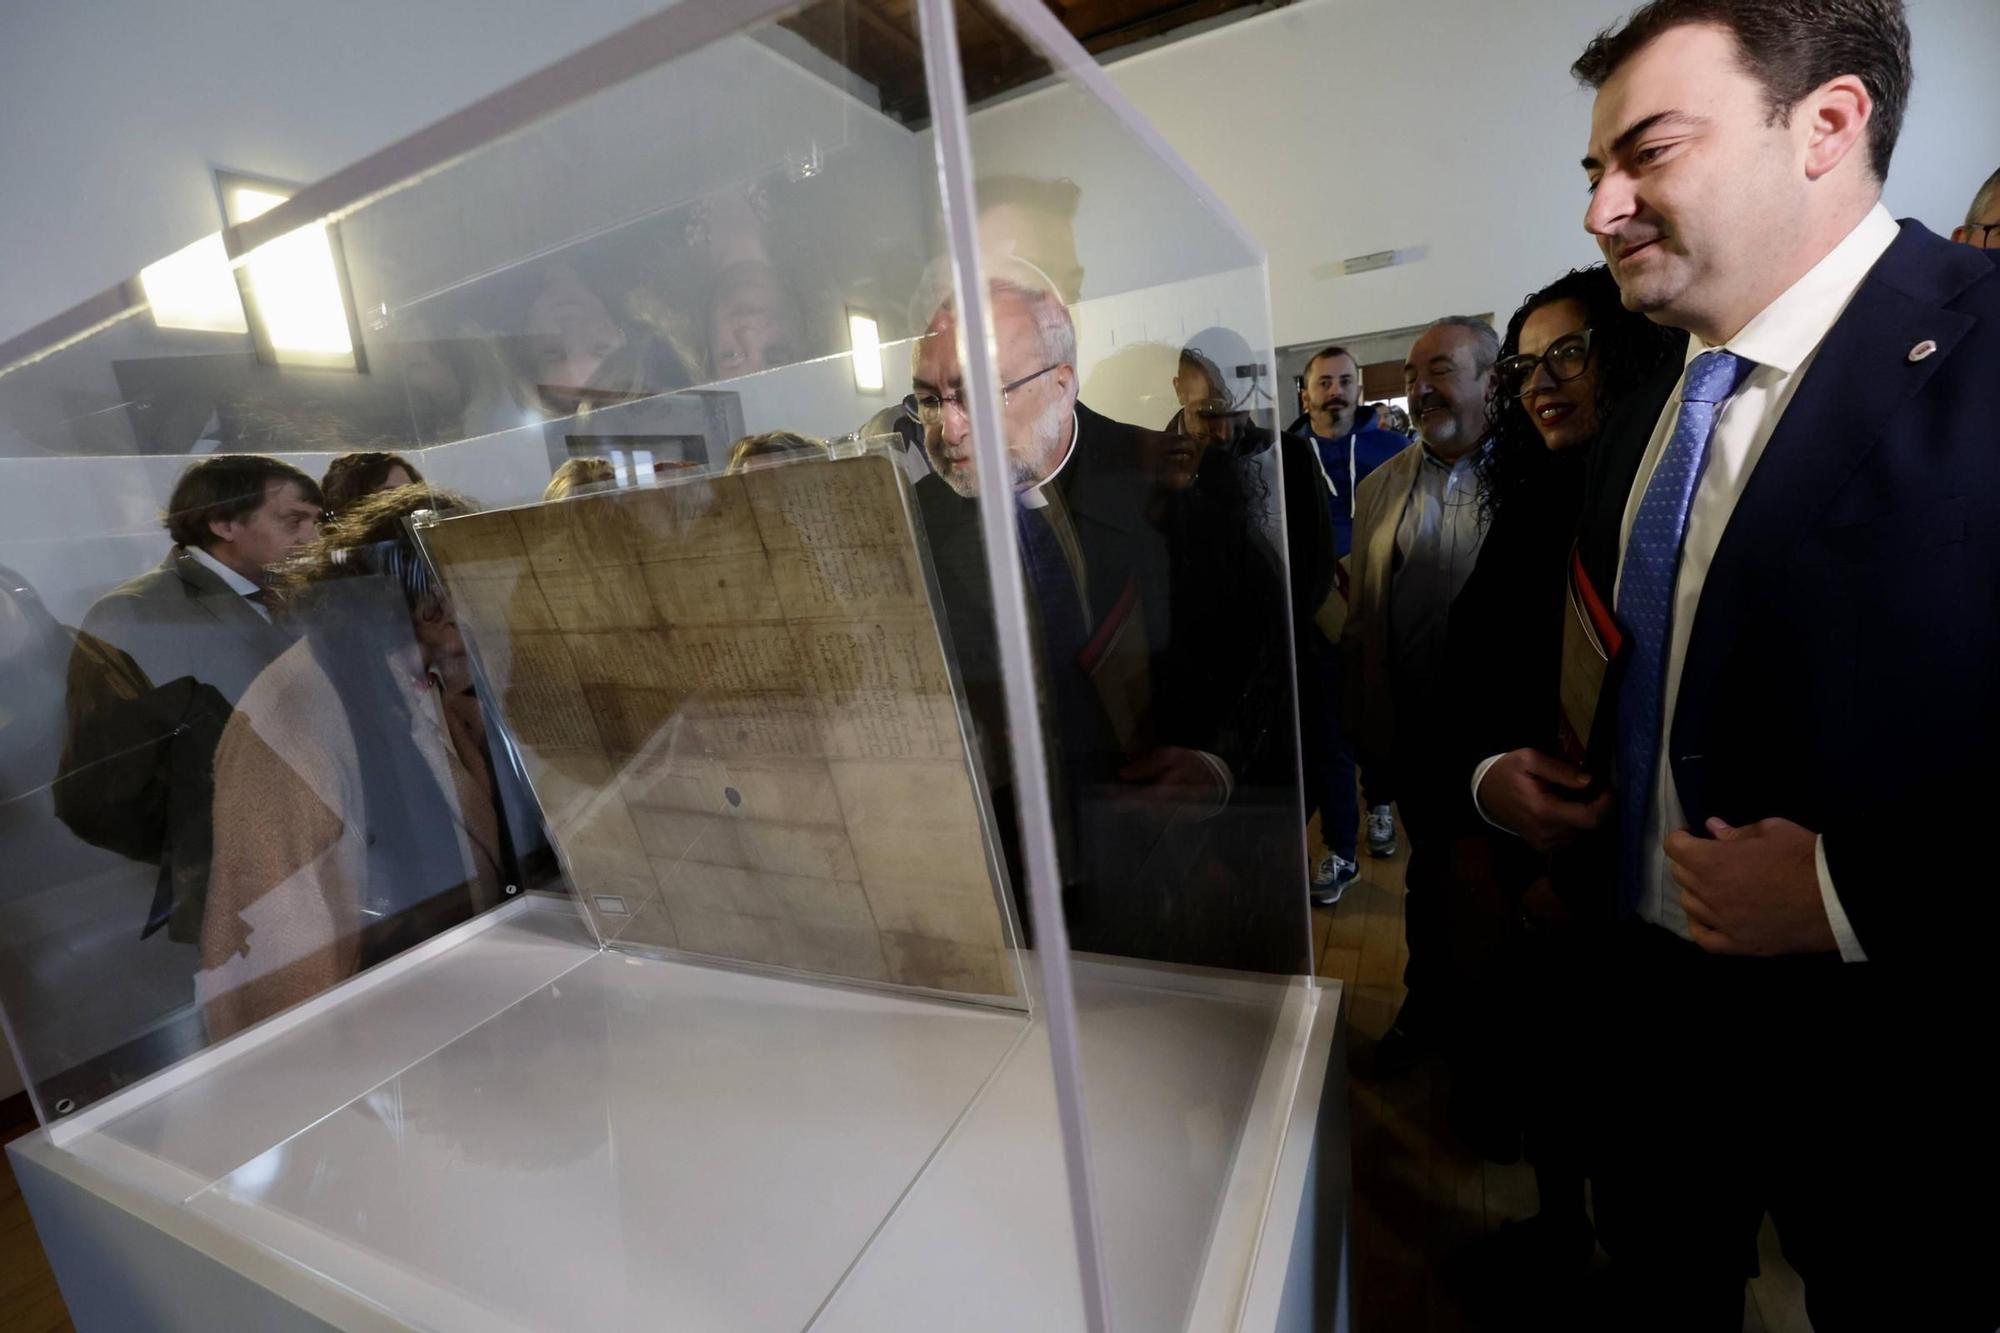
[(1418, 526)]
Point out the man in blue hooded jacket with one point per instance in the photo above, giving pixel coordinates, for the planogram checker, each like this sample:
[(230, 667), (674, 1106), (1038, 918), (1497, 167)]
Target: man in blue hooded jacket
[(1349, 443)]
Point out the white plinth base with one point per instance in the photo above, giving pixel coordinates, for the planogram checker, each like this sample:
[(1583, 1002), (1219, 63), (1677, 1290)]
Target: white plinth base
[(511, 1130)]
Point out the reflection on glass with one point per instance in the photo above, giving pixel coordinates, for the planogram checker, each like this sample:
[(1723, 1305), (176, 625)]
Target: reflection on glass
[(354, 788), (1034, 220), (349, 477), (1174, 766), (71, 912), (294, 281), (194, 288), (1159, 610), (752, 677), (866, 336)]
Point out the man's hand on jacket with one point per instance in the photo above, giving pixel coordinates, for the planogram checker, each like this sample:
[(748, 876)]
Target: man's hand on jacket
[(1539, 798)]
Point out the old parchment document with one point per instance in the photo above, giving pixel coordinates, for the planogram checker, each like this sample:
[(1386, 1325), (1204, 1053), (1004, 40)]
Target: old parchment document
[(732, 702)]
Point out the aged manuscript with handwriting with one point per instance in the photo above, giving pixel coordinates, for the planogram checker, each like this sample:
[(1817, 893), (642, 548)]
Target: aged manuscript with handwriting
[(732, 698)]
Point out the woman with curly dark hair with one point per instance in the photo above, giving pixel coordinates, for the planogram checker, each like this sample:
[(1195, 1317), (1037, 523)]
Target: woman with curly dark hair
[(351, 476), (1571, 354)]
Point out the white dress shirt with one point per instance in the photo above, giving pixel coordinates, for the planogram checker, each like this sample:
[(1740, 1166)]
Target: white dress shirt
[(1782, 340), (236, 582), (1437, 544)]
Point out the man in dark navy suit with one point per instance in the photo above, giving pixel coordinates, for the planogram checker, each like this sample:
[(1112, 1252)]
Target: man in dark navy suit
[(1798, 532)]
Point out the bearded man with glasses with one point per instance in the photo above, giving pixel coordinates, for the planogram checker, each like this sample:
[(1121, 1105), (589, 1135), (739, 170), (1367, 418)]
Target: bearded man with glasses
[(1417, 530), (1137, 757)]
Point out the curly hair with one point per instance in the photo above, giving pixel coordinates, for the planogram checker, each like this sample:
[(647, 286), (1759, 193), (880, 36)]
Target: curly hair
[(371, 537), (1625, 347), (351, 476)]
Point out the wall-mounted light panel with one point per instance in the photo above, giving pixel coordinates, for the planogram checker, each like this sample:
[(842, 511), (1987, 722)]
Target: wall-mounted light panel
[(864, 335), (193, 288), (294, 287)]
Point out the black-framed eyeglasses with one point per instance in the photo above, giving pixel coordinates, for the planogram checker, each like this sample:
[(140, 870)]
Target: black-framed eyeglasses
[(1566, 358), (1989, 235), (928, 407)]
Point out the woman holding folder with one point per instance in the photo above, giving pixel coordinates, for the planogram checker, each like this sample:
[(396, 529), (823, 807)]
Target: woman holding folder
[(1570, 354)]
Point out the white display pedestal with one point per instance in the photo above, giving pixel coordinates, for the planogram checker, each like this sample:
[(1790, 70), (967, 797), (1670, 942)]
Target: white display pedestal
[(509, 1129)]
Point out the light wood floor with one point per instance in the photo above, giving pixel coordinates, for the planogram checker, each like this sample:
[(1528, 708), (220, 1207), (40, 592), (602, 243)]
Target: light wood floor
[(29, 1301), (1416, 1193)]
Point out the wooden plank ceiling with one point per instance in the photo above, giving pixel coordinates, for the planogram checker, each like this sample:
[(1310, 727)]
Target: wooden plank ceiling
[(877, 39)]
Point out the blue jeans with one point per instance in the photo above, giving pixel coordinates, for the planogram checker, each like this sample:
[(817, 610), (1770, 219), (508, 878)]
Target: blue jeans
[(1327, 758)]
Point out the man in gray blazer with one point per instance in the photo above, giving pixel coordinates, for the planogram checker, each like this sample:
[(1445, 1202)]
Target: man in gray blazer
[(160, 662), (1417, 534)]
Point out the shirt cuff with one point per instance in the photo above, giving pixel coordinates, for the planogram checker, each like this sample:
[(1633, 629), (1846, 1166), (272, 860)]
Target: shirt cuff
[(1222, 775), (1836, 916), (1479, 776)]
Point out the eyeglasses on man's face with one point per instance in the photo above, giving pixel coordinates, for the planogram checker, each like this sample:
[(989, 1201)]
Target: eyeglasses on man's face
[(927, 405), (1983, 235), (1566, 358)]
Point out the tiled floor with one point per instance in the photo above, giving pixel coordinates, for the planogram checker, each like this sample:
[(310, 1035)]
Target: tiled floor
[(1417, 1194)]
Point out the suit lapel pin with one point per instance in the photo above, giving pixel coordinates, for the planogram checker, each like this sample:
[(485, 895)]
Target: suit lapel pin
[(1922, 350)]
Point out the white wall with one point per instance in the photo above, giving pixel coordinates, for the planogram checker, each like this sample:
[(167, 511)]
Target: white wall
[(1336, 128), (1951, 136)]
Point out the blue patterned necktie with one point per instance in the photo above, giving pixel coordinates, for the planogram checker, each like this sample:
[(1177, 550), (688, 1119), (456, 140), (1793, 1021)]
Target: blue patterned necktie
[(1053, 587), (1646, 600), (1060, 622)]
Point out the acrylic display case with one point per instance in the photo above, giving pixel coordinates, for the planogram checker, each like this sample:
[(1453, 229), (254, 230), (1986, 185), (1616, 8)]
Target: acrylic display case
[(698, 856)]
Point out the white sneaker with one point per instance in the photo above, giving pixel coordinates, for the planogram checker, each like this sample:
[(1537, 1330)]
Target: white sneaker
[(1331, 877), (1381, 832)]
